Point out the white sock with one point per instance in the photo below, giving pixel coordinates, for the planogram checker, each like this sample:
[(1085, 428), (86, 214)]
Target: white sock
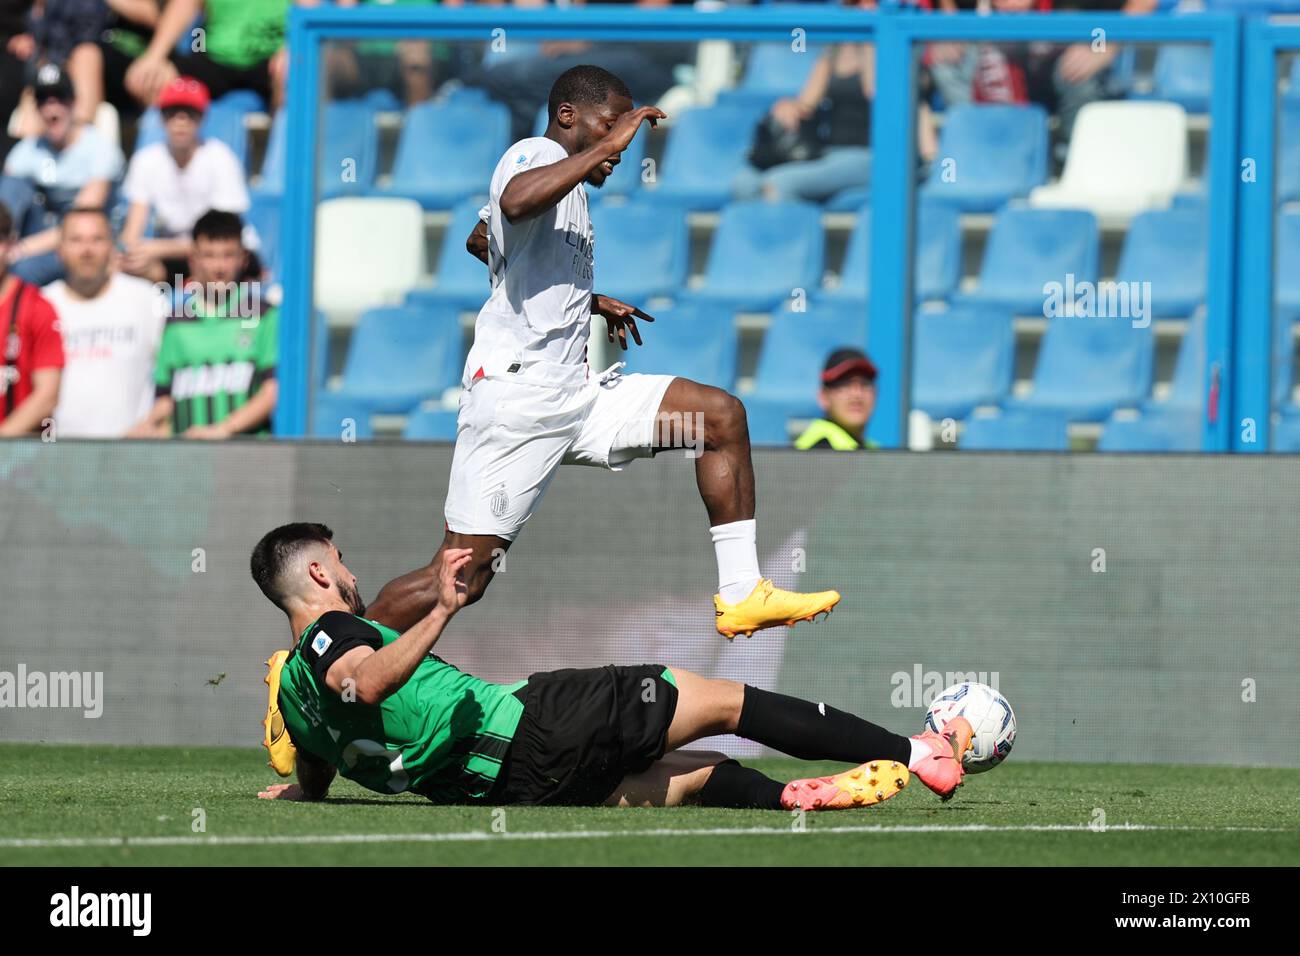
[(919, 752), (736, 546)]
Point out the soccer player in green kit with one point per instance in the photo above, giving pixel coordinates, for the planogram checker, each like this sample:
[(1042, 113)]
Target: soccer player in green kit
[(361, 694)]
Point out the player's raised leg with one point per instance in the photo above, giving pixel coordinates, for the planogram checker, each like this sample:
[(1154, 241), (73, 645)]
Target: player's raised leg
[(713, 422), (405, 600), (707, 707)]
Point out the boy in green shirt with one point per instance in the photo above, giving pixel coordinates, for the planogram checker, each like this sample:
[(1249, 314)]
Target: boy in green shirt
[(215, 375)]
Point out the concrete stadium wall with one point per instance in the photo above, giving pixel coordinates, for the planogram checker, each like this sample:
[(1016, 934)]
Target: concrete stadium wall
[(132, 560)]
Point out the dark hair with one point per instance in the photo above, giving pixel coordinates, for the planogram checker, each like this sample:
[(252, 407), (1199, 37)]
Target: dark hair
[(6, 222), (585, 85), (217, 224), (276, 551)]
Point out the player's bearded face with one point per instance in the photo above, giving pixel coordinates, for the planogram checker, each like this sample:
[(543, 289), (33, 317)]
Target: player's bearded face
[(350, 596)]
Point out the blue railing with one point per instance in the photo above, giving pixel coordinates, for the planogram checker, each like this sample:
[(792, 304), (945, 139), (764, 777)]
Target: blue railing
[(1242, 121)]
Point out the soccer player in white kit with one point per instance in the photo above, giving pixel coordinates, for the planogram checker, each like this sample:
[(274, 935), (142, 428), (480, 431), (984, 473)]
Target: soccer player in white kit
[(530, 401)]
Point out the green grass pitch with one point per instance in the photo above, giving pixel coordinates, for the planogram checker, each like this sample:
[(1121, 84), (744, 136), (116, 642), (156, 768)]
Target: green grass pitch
[(70, 805)]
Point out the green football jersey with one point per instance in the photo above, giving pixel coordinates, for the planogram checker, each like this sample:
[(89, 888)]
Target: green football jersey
[(211, 365), (443, 733)]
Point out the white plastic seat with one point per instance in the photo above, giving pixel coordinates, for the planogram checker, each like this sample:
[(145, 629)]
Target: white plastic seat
[(369, 252), (1125, 158)]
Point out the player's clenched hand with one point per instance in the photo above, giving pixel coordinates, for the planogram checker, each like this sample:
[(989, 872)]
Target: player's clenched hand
[(452, 589), (282, 791), (620, 318), (625, 126)]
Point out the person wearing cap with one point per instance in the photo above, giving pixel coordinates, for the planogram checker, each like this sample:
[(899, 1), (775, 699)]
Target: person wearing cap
[(175, 182), (848, 398), (68, 164)]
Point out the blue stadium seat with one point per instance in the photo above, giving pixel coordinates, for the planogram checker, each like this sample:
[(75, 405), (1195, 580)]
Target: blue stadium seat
[(1287, 255), (997, 153), (761, 253), (790, 363), (961, 359), (776, 69), (462, 279), (1088, 367), (1288, 148), (398, 357), (706, 149), (855, 271), (1170, 249), (1170, 429), (641, 250), (849, 200), (225, 121), (1187, 391), (1182, 75), (264, 216), (431, 424), (333, 412), (383, 100), (349, 146), (687, 340), (1028, 248), (446, 151), (1016, 431), (936, 266)]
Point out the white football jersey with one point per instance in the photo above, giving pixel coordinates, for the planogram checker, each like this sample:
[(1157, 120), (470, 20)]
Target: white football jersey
[(536, 323)]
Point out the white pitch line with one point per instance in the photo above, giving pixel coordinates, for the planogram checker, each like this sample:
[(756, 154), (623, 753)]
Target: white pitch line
[(473, 836)]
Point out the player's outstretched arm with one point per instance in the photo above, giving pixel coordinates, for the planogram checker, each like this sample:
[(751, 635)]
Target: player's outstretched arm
[(375, 675), (534, 191)]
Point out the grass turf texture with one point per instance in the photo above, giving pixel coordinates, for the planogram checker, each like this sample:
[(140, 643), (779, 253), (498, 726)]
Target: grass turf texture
[(81, 792)]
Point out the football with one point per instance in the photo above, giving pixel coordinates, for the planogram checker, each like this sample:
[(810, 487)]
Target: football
[(991, 718)]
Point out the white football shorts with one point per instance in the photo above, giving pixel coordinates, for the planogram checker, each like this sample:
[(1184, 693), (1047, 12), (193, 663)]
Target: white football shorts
[(512, 436)]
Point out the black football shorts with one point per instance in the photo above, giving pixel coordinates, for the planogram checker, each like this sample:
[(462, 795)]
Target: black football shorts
[(583, 731)]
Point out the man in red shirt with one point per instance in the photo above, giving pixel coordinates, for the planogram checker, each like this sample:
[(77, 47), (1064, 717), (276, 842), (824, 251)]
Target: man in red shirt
[(31, 347)]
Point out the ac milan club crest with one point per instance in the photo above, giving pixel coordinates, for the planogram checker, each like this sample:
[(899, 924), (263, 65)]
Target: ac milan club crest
[(500, 501)]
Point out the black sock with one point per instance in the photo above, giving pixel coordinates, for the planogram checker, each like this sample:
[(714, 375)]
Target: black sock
[(811, 731), (742, 788)]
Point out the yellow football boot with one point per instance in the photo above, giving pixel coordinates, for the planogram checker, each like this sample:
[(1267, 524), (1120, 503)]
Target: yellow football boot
[(768, 606), (873, 782), (274, 736)]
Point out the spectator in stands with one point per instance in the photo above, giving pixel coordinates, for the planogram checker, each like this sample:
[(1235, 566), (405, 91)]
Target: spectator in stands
[(68, 164), (1063, 79), (848, 398), (216, 364), (521, 83), (67, 34), (111, 327), (816, 144), (33, 348), (176, 182), (16, 49), (99, 71), (411, 69), (242, 49)]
